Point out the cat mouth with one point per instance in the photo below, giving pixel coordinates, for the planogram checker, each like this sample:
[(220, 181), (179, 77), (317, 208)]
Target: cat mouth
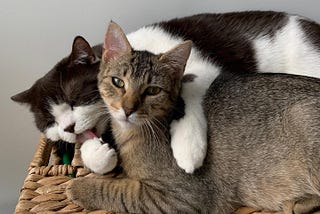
[(86, 135)]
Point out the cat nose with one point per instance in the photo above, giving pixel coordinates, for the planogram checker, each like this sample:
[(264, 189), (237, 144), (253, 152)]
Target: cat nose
[(70, 128), (128, 111)]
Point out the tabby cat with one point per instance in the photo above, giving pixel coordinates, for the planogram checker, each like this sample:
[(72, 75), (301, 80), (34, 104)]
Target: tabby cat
[(263, 136), (238, 42)]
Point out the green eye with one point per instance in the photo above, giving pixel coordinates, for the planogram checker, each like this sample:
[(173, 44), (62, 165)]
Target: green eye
[(117, 82), (152, 90)]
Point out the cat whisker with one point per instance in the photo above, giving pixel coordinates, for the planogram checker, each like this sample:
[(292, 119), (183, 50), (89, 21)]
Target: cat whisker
[(150, 128), (161, 125), (150, 131), (145, 131), (157, 122), (155, 134)]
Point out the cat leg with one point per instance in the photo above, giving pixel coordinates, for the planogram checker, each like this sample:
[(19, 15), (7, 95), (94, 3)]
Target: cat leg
[(98, 157), (287, 207), (124, 195), (189, 138), (307, 205), (246, 210), (304, 206)]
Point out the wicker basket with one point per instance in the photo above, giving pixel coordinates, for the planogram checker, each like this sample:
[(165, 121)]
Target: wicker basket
[(43, 191)]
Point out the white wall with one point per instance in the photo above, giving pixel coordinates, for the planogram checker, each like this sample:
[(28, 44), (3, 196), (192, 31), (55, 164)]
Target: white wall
[(35, 34)]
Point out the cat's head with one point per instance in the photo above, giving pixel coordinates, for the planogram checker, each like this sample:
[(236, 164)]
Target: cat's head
[(138, 86), (66, 100)]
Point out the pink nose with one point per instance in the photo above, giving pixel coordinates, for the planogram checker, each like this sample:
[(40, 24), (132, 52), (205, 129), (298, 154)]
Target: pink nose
[(128, 111), (70, 128)]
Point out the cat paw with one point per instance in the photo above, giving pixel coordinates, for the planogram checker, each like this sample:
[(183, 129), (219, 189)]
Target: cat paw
[(80, 192), (306, 205), (189, 143), (55, 133), (99, 158)]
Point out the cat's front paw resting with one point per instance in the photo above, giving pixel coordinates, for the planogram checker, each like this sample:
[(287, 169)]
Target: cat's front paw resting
[(98, 157), (81, 192), (189, 142)]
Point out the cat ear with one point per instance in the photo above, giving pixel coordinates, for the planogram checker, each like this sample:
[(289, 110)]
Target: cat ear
[(23, 97), (177, 58), (82, 52), (115, 43)]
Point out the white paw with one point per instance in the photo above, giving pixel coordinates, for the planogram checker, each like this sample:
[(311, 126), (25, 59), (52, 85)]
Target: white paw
[(99, 158), (56, 133), (67, 136), (189, 142)]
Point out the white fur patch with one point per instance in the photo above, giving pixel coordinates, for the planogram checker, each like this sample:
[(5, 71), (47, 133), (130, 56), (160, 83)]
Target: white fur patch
[(98, 157), (63, 115), (289, 51), (189, 134), (84, 117), (52, 133)]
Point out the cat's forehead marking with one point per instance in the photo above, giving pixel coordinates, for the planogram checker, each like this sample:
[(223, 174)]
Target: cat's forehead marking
[(138, 66), (142, 64)]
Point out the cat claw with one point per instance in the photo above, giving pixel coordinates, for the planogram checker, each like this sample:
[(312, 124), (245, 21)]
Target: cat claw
[(98, 157)]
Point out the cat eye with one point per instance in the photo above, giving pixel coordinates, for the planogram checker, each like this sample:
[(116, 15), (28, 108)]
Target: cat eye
[(152, 90), (117, 82)]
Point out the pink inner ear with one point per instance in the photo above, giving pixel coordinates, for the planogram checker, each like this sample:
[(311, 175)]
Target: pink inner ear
[(108, 55), (115, 43), (112, 48)]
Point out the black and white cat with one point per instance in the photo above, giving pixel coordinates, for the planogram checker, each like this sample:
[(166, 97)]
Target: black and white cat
[(237, 42), (65, 100)]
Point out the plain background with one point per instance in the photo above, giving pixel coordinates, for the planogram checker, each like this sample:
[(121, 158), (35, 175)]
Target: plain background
[(35, 34)]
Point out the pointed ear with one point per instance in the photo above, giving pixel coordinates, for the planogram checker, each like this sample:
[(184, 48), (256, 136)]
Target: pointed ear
[(115, 43), (82, 52), (23, 97), (177, 58)]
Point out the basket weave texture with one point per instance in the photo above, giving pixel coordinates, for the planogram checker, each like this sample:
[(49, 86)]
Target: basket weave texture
[(43, 191)]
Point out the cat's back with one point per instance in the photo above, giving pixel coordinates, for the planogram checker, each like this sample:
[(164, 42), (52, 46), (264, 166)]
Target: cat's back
[(251, 116), (264, 90), (259, 109), (223, 38), (263, 127), (223, 25), (210, 32)]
